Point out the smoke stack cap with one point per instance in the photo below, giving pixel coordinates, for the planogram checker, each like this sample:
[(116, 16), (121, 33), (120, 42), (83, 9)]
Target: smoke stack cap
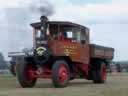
[(43, 19)]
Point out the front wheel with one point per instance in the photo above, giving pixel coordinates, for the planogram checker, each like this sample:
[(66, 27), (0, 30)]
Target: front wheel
[(99, 75), (24, 75), (60, 74)]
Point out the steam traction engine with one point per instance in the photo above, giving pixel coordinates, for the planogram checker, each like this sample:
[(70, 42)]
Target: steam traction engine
[(62, 52)]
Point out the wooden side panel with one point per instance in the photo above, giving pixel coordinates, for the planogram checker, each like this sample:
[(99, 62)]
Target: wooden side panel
[(101, 52)]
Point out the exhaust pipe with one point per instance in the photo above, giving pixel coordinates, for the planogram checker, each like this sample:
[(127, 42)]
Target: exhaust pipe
[(44, 19)]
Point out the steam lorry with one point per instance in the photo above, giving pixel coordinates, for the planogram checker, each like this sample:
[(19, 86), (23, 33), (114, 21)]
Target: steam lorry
[(62, 52)]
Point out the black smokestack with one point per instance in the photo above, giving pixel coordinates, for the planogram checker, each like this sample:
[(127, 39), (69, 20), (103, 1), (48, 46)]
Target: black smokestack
[(43, 19)]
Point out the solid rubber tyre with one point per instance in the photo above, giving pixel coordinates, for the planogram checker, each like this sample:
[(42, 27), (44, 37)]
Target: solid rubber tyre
[(60, 70), (23, 75), (99, 75)]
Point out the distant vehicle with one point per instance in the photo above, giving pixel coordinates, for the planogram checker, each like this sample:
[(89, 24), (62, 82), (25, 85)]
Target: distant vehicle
[(62, 52), (15, 56), (122, 67), (4, 71), (112, 67)]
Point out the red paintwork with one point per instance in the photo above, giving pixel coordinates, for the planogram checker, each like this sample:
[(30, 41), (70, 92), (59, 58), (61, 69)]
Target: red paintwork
[(66, 40), (27, 73), (62, 74), (82, 68), (46, 73), (46, 70), (104, 72), (41, 76)]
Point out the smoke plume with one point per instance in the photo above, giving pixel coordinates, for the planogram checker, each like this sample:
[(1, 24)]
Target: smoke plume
[(18, 20), (42, 7)]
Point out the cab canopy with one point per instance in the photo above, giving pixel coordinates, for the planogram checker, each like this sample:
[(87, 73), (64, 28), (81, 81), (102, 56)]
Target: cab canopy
[(59, 23)]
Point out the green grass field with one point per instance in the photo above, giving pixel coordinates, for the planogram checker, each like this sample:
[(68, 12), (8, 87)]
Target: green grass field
[(116, 85)]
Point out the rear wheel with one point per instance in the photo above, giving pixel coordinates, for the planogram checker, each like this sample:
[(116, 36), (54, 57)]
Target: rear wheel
[(99, 75), (24, 75), (60, 74)]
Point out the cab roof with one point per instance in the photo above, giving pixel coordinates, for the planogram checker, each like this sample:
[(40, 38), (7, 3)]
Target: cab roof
[(38, 24)]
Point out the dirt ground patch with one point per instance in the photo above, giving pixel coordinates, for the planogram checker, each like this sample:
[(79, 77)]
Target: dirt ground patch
[(116, 85)]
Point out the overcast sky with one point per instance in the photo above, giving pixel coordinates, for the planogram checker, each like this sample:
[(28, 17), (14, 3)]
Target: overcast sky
[(107, 20)]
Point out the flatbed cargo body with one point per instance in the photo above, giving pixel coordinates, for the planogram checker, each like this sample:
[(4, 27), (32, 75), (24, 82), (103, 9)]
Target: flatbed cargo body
[(97, 51)]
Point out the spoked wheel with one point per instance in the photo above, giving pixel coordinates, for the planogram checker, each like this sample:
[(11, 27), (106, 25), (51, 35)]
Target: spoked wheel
[(99, 76), (24, 75), (60, 74)]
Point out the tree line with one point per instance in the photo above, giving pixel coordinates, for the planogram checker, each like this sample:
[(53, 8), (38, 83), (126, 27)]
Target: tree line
[(3, 63)]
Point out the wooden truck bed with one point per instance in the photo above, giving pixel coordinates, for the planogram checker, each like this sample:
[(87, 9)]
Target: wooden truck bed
[(101, 52)]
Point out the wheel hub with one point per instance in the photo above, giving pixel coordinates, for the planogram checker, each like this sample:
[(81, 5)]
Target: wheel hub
[(28, 75), (63, 74), (104, 72)]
